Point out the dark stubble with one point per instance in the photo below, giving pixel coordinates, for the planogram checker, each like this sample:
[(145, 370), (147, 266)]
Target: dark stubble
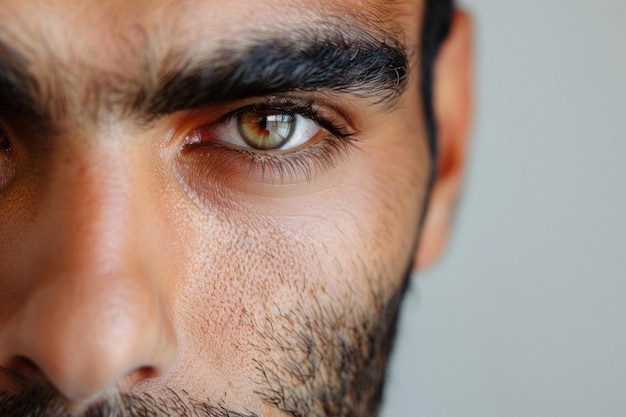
[(318, 360)]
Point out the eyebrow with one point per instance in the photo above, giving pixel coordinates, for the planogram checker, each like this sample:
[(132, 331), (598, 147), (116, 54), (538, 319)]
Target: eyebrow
[(338, 61), (18, 86), (363, 67)]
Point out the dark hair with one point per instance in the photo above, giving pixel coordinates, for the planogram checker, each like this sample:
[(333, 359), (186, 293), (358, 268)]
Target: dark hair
[(435, 27)]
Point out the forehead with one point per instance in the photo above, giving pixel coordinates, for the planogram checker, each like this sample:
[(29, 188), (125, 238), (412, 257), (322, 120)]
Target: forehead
[(93, 23)]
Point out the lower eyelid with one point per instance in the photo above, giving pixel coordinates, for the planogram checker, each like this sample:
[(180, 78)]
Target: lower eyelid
[(223, 165)]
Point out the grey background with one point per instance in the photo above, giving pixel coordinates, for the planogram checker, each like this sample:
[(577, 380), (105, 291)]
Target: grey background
[(525, 315)]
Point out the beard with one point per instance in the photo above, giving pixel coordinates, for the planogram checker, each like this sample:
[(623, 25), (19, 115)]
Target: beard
[(320, 359), (43, 401)]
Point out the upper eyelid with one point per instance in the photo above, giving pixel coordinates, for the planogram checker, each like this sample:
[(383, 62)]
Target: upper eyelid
[(284, 104)]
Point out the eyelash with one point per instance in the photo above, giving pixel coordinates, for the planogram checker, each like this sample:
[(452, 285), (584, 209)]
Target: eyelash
[(321, 154), (292, 107)]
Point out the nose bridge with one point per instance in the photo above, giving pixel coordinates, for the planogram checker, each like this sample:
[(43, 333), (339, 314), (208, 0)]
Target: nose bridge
[(92, 315), (93, 201), (89, 226)]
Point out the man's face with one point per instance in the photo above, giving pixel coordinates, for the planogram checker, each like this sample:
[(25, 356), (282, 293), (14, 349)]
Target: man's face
[(208, 207)]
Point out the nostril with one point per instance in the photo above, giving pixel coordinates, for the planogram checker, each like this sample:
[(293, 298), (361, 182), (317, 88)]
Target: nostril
[(26, 370), (138, 375)]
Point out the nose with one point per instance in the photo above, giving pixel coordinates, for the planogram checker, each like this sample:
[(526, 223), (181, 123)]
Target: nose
[(87, 277)]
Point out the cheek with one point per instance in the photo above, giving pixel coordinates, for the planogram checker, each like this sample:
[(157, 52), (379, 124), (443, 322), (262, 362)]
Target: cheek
[(364, 221), (376, 209)]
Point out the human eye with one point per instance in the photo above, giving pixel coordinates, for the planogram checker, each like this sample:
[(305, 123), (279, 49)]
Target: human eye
[(276, 136), (261, 130)]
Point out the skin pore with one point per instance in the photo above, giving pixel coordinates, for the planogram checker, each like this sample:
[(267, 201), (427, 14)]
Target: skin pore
[(160, 256)]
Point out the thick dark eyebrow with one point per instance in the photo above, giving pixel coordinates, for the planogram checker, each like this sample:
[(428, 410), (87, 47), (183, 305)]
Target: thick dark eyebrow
[(363, 66), (17, 85), (345, 60)]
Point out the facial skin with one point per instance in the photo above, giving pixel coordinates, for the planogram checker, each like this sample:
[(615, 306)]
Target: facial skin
[(154, 263)]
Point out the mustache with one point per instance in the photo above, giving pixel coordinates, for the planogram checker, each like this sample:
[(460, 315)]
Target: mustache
[(43, 401)]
